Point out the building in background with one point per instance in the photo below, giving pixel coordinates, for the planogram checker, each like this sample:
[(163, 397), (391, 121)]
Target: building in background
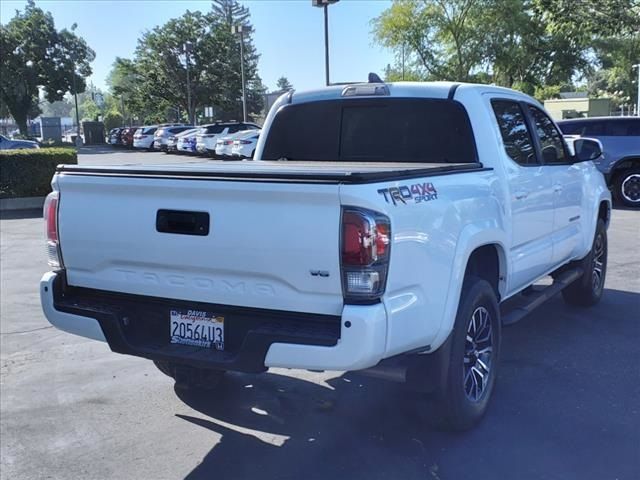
[(577, 105)]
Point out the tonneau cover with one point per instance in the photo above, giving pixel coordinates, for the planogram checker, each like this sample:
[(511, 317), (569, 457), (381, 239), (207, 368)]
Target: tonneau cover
[(313, 172)]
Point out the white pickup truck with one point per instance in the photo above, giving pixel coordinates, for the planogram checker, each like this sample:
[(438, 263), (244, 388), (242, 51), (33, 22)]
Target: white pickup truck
[(390, 228)]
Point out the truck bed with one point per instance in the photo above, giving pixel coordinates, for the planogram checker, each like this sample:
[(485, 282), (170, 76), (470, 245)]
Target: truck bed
[(280, 171)]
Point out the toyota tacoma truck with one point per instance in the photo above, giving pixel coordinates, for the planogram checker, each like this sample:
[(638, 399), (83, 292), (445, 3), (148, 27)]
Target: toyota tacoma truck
[(392, 228)]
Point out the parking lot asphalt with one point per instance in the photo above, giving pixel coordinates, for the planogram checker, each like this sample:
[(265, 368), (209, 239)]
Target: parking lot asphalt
[(567, 403)]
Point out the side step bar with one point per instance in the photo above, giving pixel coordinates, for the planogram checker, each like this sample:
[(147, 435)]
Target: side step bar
[(537, 298)]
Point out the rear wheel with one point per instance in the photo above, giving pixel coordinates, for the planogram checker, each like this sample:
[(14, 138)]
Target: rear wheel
[(627, 187), (587, 290), (468, 382), (187, 376)]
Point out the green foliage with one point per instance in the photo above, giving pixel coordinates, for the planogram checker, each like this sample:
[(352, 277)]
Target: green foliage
[(547, 92), (112, 119), (530, 45), (155, 81), (89, 110), (617, 78), (28, 173), (35, 55), (59, 108), (283, 84)]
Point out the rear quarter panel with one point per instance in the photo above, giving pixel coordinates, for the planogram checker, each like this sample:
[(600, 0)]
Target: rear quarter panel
[(431, 242)]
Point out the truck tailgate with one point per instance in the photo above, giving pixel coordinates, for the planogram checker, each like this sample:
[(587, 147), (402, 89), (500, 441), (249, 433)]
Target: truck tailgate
[(266, 245)]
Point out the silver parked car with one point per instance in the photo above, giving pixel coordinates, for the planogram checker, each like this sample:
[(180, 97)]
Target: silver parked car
[(9, 144)]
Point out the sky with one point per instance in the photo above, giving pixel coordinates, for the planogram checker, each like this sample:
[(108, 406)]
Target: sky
[(288, 34)]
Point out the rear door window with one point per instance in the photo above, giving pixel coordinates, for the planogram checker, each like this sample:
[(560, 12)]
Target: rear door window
[(372, 130), (551, 142), (514, 131)]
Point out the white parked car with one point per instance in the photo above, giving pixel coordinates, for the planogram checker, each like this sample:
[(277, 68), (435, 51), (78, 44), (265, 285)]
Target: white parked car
[(186, 142), (143, 138), (172, 141), (162, 135), (380, 227), (223, 146), (207, 140), (244, 145)]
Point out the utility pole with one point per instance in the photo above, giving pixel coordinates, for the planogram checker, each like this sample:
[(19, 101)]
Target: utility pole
[(240, 30), (324, 4), (638, 99), (188, 48)]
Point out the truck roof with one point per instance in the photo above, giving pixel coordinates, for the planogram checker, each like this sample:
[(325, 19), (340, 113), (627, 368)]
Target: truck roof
[(405, 89)]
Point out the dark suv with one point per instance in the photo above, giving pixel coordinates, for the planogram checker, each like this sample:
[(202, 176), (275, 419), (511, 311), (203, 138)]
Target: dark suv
[(620, 161)]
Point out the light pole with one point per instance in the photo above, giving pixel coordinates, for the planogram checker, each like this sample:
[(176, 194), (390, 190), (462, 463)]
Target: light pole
[(188, 48), (638, 99), (241, 30), (75, 95), (324, 4)]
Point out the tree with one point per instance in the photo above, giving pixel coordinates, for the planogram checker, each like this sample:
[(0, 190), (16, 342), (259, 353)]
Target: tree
[(616, 78), (283, 84), (89, 110), (59, 108), (35, 55), (524, 44), (112, 119), (153, 85), (438, 35)]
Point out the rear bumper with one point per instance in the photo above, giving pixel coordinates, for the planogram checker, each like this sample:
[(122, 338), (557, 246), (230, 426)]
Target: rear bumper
[(255, 339)]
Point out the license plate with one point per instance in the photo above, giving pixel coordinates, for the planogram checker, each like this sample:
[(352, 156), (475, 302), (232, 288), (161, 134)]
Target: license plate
[(197, 328)]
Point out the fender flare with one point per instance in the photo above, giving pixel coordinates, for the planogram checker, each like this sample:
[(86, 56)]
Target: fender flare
[(472, 237)]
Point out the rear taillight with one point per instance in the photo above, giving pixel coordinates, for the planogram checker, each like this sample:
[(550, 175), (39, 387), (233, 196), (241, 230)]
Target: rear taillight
[(227, 142), (51, 221), (366, 242), (242, 142)]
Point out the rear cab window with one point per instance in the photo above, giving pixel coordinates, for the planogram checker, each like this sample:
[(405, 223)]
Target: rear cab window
[(387, 129)]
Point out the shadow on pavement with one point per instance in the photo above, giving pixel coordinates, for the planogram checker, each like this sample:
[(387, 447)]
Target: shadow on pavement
[(565, 407), (20, 214)]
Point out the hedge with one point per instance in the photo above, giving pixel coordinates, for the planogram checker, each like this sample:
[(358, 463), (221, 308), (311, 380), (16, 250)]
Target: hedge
[(28, 172)]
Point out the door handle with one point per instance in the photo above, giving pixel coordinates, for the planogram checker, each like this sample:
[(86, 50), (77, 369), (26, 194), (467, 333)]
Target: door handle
[(557, 188), (521, 195)]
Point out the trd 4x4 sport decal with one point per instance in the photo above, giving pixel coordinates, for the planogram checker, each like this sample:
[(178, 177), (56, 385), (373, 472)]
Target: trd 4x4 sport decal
[(418, 192)]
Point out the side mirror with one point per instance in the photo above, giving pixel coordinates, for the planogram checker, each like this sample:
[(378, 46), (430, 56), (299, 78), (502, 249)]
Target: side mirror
[(584, 149)]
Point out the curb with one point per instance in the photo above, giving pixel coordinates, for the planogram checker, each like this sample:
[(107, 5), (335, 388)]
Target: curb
[(23, 203)]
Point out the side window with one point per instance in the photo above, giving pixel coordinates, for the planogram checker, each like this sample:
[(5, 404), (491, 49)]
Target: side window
[(623, 128), (570, 128), (594, 128), (551, 141), (515, 134)]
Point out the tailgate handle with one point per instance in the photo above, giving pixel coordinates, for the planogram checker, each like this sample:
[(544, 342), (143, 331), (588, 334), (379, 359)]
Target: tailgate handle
[(182, 222)]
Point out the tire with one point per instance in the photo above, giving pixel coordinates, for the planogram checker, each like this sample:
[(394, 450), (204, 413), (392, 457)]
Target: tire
[(469, 380), (627, 187), (587, 290), (150, 149), (189, 377)]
